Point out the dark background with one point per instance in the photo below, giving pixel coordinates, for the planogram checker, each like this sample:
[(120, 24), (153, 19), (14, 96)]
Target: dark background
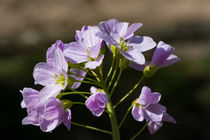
[(29, 27)]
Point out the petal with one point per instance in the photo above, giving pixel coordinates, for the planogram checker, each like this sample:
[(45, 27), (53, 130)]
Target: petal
[(94, 64), (67, 118), (58, 60), (30, 120), (98, 112), (168, 118), (134, 56), (119, 30), (57, 44), (48, 126), (162, 52), (131, 29), (44, 74), (93, 90), (78, 36), (107, 38), (30, 97), (79, 72), (95, 50), (154, 112), (137, 66), (49, 91), (138, 113), (101, 99), (76, 53), (147, 97), (170, 60), (153, 127), (142, 43), (107, 26)]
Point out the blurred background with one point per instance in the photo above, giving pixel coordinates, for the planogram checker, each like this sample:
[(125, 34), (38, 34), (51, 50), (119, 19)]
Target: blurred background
[(29, 27)]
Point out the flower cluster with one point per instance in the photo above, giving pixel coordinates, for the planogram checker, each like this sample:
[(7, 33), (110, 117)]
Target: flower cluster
[(70, 64)]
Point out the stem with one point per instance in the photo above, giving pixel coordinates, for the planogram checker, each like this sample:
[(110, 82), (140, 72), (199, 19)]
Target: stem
[(126, 114), (92, 128), (116, 82), (129, 92), (114, 73), (110, 70), (68, 93), (112, 116), (95, 75), (88, 82), (140, 131), (82, 77), (78, 103)]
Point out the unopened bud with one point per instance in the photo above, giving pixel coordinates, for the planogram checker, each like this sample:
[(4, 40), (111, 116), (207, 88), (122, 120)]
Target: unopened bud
[(149, 71)]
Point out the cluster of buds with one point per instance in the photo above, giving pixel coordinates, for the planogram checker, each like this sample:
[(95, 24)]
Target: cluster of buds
[(68, 65)]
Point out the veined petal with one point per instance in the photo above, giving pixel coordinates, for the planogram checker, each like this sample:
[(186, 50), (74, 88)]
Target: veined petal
[(138, 113), (134, 55), (154, 127), (44, 74), (162, 52), (147, 97), (80, 72), (170, 60), (95, 50), (58, 60), (67, 118), (30, 97), (142, 43), (107, 38), (93, 90), (94, 64), (107, 26), (78, 36), (168, 118), (139, 67), (49, 91), (76, 53), (120, 29), (131, 29)]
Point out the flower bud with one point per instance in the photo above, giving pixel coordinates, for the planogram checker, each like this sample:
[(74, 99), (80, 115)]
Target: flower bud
[(149, 71), (66, 103)]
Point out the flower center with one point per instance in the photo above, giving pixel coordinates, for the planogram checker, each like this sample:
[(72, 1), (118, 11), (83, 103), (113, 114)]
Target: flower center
[(60, 79), (123, 45)]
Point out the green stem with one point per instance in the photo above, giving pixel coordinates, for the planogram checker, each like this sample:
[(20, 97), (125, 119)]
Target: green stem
[(112, 116), (129, 92), (88, 82), (140, 131), (113, 75), (95, 75), (68, 93), (78, 103), (92, 128), (110, 70), (116, 82), (83, 77), (126, 114)]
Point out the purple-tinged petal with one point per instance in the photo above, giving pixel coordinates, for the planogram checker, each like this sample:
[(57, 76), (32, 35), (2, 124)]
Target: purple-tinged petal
[(138, 113), (57, 44), (94, 64), (95, 50), (93, 90), (101, 99), (170, 60), (119, 30), (154, 112), (107, 38), (168, 118), (76, 53), (78, 36), (162, 52), (139, 67), (131, 29), (44, 74), (79, 72), (49, 91), (67, 118), (107, 26), (48, 126), (154, 127), (147, 97), (142, 43), (30, 97), (58, 60), (89, 38), (134, 56), (30, 120)]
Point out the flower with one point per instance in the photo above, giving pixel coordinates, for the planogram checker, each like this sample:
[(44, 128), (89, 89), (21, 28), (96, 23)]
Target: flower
[(59, 44), (147, 106), (96, 103), (48, 115), (52, 114), (162, 57), (52, 75), (155, 126), (86, 48), (121, 35)]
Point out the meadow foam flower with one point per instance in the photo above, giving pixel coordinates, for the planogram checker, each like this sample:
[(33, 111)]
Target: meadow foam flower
[(120, 35), (52, 114), (96, 103), (153, 127), (86, 48), (52, 75), (147, 106), (162, 57)]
